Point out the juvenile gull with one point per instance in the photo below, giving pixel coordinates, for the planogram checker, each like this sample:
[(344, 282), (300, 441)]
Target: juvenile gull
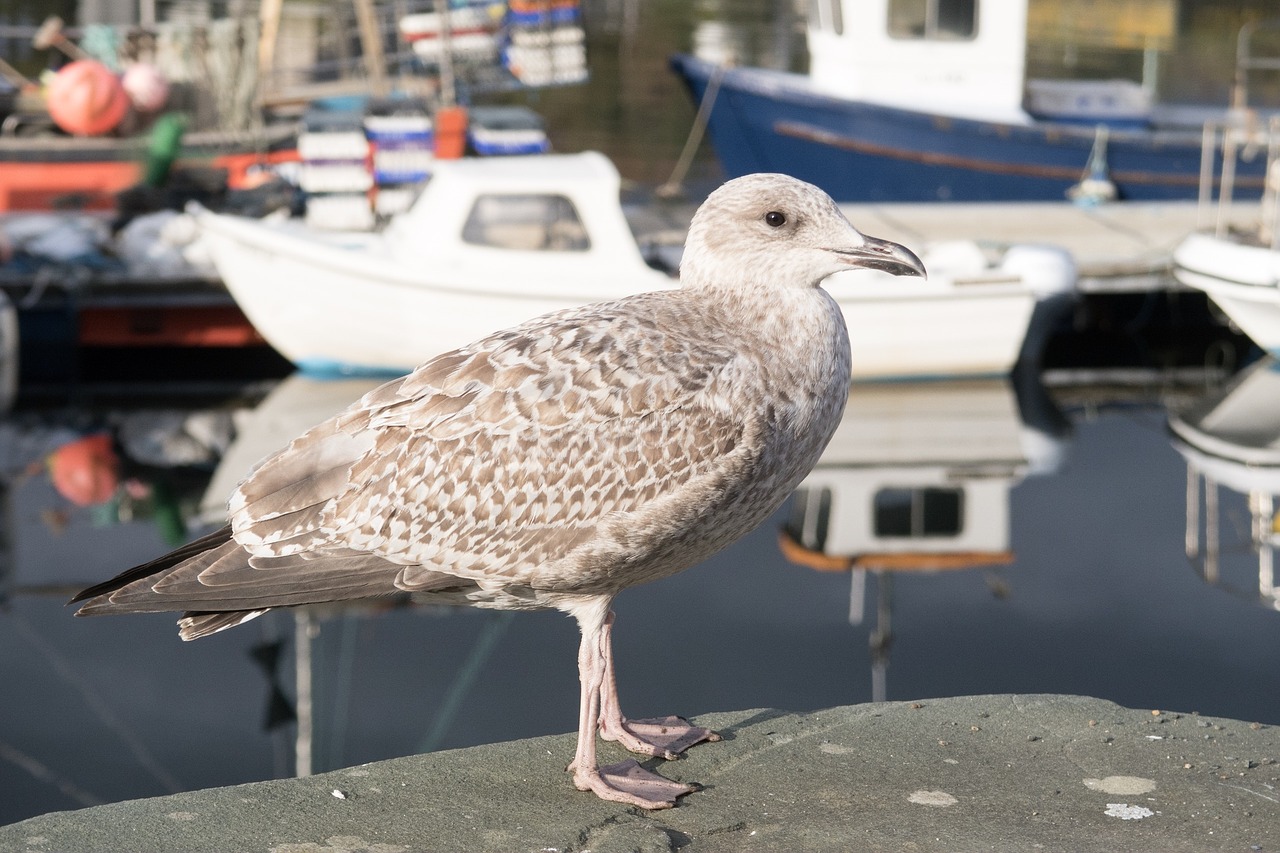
[(556, 463)]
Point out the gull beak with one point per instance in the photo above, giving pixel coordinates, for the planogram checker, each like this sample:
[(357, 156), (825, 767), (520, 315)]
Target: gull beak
[(884, 255)]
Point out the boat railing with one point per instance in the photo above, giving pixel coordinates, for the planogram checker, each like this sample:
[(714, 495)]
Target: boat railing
[(1243, 137), (1247, 61)]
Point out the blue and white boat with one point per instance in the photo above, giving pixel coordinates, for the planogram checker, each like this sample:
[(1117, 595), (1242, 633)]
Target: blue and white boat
[(936, 109)]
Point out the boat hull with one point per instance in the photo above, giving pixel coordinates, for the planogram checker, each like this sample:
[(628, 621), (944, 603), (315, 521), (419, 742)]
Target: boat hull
[(334, 315), (764, 121), (923, 335), (36, 172), (1241, 279), (330, 317)]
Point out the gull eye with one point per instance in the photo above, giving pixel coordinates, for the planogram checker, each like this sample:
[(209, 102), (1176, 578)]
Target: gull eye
[(774, 219)]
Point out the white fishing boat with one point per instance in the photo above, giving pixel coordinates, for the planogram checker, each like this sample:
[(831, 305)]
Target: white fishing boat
[(1239, 268), (490, 243)]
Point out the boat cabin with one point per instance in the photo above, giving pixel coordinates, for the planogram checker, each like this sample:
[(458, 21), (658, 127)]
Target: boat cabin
[(564, 212), (968, 58)]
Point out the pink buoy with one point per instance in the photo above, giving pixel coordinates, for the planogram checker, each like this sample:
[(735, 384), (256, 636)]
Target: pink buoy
[(86, 99), (146, 87)]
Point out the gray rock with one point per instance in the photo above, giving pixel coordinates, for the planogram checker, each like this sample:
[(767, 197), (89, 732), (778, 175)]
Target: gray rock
[(971, 773)]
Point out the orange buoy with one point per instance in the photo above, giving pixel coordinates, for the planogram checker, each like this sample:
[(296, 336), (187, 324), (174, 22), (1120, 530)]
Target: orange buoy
[(86, 471), (86, 99), (451, 132)]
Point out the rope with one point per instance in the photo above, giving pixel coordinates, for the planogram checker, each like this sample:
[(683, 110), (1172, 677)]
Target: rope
[(673, 187), (493, 631), (97, 705), (41, 771)]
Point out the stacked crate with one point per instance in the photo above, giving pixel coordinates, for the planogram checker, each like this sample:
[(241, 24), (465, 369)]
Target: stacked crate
[(402, 143), (546, 42), (506, 130), (335, 170)]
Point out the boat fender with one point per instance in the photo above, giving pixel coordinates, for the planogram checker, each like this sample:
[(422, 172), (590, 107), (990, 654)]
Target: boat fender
[(1045, 269)]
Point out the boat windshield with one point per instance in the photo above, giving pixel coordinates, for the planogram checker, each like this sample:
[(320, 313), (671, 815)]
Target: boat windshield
[(936, 20), (526, 222)]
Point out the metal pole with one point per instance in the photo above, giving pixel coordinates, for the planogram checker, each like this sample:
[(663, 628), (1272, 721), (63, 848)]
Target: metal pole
[(304, 631)]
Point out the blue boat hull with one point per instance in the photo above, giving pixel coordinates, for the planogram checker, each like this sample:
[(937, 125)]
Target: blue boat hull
[(763, 121)]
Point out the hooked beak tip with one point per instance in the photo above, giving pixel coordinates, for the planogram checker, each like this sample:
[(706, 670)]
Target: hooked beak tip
[(886, 256)]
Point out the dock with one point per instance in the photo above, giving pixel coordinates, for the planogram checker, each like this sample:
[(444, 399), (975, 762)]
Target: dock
[(1122, 246), (1118, 247)]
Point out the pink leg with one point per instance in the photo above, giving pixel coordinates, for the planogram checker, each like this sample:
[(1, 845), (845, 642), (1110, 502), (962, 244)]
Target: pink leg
[(664, 737), (625, 782)]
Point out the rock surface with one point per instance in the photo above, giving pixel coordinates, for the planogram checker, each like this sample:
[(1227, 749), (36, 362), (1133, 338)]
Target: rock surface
[(971, 773)]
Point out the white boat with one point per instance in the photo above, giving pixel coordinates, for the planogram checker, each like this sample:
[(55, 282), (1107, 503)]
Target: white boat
[(1239, 269), (492, 242), (488, 244), (1231, 439)]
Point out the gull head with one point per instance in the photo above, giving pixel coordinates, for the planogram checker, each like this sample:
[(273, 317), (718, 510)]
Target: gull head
[(776, 231)]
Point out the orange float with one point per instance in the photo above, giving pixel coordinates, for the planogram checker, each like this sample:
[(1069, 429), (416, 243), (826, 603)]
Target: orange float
[(86, 471), (86, 99)]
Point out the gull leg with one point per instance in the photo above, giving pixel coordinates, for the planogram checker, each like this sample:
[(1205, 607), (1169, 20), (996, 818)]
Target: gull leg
[(664, 737), (626, 781)]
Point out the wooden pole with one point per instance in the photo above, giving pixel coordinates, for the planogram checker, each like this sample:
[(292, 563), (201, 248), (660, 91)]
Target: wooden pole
[(375, 63), (268, 30)]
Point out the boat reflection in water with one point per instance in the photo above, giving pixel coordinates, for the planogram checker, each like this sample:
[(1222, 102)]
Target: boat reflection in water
[(1231, 438), (917, 479), (290, 409), (298, 403)]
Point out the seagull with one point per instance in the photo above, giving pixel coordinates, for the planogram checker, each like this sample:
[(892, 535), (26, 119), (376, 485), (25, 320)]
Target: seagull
[(556, 463)]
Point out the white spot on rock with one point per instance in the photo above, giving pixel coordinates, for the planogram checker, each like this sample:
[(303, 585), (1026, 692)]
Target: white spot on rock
[(940, 799), (1124, 785), (1124, 811), (835, 748)]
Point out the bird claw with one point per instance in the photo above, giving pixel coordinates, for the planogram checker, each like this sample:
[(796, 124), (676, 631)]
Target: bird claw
[(662, 737), (628, 782)]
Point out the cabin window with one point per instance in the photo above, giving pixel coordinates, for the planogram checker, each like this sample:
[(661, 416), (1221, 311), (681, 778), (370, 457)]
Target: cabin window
[(935, 20), (826, 15), (918, 513), (529, 223)]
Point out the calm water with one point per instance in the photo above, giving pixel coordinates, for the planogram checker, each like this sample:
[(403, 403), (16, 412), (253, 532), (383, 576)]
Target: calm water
[(1081, 490), (1100, 598)]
